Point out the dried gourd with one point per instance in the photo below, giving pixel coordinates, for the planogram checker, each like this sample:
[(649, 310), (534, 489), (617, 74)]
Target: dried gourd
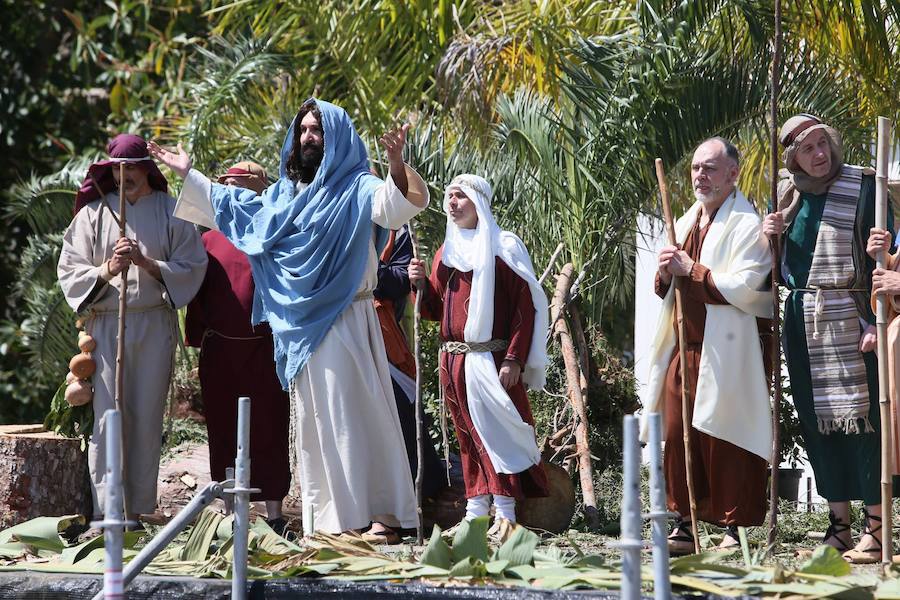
[(82, 365), (78, 393), (86, 342), (70, 377)]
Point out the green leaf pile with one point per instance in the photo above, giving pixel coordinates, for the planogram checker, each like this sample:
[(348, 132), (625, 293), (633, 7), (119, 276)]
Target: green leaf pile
[(468, 559)]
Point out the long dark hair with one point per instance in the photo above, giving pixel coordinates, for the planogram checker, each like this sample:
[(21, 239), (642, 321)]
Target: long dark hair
[(295, 169)]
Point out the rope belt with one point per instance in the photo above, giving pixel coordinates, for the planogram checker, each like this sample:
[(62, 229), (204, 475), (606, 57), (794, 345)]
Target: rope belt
[(820, 301), (366, 295), (466, 347), (210, 332), (128, 311)]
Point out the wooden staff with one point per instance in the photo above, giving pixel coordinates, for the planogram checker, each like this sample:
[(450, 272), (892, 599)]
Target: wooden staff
[(775, 248), (420, 425), (884, 399), (120, 338), (682, 354)]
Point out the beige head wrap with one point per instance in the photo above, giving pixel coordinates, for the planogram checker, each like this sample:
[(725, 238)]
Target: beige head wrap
[(794, 131)]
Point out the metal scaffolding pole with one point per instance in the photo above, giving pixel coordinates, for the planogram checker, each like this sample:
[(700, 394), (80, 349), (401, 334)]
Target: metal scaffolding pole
[(240, 489), (241, 492), (113, 522), (658, 515), (630, 519)]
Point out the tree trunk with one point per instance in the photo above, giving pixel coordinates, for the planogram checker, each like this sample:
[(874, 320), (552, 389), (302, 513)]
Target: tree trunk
[(41, 474), (575, 380)]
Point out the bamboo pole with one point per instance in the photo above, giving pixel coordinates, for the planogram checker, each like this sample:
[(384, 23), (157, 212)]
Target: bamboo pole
[(775, 248), (685, 386), (120, 339), (884, 400), (420, 425)]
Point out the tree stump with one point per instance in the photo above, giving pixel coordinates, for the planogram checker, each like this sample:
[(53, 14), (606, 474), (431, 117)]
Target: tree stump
[(41, 474)]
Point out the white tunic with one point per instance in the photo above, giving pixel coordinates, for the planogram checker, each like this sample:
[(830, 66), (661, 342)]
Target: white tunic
[(352, 464)]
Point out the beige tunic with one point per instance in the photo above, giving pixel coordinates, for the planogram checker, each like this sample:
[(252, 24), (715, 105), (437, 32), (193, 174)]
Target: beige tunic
[(352, 465), (150, 327)]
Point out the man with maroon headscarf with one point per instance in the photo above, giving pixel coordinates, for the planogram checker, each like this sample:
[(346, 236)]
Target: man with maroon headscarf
[(236, 360), (165, 265)]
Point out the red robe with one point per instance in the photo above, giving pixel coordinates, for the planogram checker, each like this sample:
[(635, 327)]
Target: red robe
[(446, 300), (230, 368)]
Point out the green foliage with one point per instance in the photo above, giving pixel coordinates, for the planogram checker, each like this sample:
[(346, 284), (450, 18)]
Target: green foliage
[(826, 560), (611, 395), (69, 421), (182, 431)]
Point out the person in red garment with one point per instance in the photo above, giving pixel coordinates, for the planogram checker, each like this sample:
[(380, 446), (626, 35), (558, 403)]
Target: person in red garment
[(236, 360), (494, 319)]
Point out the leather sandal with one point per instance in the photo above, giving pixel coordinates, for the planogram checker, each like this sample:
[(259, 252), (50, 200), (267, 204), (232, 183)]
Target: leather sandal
[(835, 528), (387, 537), (870, 555), (731, 540), (681, 541)]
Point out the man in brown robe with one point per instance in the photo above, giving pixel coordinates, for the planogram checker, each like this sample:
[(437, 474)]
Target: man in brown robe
[(236, 359), (729, 480)]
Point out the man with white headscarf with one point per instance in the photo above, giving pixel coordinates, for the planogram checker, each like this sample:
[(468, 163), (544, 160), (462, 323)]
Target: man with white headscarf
[(493, 315)]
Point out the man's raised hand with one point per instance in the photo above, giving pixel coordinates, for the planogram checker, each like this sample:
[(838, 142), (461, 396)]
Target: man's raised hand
[(393, 142), (177, 160)]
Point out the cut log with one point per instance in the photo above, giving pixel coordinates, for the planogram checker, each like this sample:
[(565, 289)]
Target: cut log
[(41, 474), (553, 513)]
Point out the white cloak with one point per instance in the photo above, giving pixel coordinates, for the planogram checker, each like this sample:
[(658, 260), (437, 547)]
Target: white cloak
[(350, 454), (732, 397)]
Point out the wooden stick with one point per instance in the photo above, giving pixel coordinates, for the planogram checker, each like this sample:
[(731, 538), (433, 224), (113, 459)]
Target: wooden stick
[(551, 262), (682, 354), (420, 425), (884, 399), (576, 395), (775, 248), (120, 337)]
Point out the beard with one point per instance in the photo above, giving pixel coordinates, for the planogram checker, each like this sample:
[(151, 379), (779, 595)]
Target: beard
[(310, 158), (707, 197)]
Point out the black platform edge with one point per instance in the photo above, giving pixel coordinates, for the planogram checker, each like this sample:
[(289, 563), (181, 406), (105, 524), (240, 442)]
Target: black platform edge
[(52, 586)]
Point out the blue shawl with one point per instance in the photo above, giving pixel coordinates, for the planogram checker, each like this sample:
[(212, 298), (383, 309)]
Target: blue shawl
[(307, 250)]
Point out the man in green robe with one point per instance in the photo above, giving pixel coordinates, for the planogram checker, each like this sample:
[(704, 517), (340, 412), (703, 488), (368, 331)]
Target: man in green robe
[(825, 211)]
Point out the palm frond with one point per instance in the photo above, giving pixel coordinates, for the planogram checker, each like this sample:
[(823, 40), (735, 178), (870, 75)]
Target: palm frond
[(49, 334), (37, 264), (45, 202), (226, 88)]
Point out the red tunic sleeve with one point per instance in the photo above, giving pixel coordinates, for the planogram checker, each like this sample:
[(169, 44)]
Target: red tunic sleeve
[(516, 296), (435, 285), (659, 287)]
